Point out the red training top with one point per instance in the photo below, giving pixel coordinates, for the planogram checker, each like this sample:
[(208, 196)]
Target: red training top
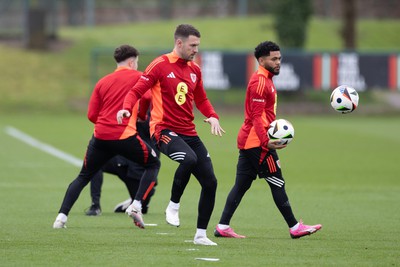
[(259, 112), (175, 83), (107, 99)]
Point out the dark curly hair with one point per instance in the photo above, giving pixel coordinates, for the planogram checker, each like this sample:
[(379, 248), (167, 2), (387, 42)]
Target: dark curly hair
[(264, 48)]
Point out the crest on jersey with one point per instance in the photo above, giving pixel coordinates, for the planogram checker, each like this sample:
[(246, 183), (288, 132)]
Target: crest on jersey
[(278, 163), (193, 77)]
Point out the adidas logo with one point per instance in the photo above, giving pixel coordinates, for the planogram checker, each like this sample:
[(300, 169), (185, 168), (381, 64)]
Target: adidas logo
[(171, 75)]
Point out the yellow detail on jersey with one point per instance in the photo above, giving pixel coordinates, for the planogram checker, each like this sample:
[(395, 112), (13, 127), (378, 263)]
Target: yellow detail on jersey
[(276, 103), (181, 91)]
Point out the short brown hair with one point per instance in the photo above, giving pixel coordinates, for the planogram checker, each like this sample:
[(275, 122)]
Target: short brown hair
[(185, 30), (125, 51)]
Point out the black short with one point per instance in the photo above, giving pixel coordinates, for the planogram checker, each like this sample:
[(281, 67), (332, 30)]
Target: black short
[(99, 152), (255, 161), (177, 146)]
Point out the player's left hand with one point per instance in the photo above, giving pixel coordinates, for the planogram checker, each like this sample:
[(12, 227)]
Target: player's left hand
[(216, 129)]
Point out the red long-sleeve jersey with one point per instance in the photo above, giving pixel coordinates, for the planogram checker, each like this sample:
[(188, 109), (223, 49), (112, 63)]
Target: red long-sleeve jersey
[(107, 99), (259, 112), (175, 84), (144, 105)]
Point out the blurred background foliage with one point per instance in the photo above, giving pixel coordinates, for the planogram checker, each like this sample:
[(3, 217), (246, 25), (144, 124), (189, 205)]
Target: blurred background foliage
[(46, 45)]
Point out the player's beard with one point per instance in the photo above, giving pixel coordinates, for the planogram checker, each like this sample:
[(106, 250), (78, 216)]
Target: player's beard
[(191, 57), (275, 71)]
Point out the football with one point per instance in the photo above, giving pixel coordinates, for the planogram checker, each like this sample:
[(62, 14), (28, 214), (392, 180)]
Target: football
[(344, 99), (281, 129)]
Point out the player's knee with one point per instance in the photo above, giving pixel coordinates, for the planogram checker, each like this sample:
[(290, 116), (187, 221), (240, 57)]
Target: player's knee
[(190, 160), (153, 166), (210, 183), (214, 184)]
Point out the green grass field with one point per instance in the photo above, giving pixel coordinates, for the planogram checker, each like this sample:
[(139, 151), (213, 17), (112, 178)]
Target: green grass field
[(341, 171)]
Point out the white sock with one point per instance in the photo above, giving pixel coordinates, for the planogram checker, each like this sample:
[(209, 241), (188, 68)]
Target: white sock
[(200, 233), (223, 226), (173, 205), (295, 227), (62, 217), (137, 204)]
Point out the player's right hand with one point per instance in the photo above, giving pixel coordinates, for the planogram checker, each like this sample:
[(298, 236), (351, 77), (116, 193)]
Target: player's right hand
[(123, 113), (275, 144)]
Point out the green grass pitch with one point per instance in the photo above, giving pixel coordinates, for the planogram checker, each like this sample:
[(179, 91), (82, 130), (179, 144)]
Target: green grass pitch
[(341, 171)]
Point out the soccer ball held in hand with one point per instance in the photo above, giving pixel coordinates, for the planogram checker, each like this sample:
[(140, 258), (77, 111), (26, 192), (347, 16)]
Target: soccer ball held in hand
[(281, 129)]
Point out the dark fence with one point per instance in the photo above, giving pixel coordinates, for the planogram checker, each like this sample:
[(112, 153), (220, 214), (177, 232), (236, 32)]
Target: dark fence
[(299, 70), (306, 71)]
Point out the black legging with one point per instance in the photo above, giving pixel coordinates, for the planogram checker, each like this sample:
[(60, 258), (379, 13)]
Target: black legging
[(247, 170), (193, 158)]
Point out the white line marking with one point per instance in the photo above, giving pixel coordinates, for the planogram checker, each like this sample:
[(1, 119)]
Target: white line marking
[(13, 132), (165, 233), (207, 259), (150, 224)]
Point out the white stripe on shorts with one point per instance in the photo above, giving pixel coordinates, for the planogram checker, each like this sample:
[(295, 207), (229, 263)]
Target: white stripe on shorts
[(275, 181)]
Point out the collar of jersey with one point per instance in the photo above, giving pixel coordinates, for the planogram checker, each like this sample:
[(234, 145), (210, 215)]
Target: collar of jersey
[(173, 58), (122, 68)]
